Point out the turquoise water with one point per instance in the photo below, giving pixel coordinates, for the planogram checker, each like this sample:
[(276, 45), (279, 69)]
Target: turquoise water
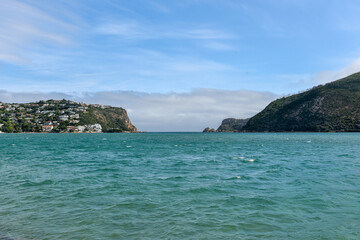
[(180, 186)]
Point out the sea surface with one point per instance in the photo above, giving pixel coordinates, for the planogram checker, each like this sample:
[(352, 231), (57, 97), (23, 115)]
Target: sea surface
[(180, 186)]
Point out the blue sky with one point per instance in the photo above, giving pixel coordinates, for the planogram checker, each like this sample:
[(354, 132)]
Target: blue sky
[(81, 48)]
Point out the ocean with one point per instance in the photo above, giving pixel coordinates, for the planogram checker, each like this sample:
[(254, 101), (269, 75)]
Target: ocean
[(180, 186)]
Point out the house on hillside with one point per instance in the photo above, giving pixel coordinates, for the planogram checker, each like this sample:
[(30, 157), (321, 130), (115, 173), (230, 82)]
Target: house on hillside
[(72, 129), (64, 117), (47, 127), (95, 128)]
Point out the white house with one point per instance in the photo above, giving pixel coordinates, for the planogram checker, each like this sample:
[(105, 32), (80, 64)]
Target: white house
[(64, 117), (94, 128), (47, 127)]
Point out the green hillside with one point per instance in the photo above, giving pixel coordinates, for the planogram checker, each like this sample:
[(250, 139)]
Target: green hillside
[(112, 119), (63, 116), (331, 107)]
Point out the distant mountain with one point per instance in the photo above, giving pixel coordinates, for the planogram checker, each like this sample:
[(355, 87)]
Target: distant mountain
[(63, 116), (325, 108)]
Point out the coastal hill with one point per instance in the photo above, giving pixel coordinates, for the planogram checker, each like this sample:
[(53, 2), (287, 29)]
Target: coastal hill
[(232, 125), (333, 107), (63, 116), (229, 125)]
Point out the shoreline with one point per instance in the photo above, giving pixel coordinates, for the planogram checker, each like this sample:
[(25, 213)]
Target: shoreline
[(172, 132)]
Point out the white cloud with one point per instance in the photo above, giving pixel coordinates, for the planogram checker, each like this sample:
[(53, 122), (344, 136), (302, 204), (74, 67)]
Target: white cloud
[(329, 76), (306, 81), (191, 111), (23, 97)]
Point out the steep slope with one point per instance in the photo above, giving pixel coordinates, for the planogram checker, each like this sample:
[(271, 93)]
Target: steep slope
[(331, 107), (112, 119)]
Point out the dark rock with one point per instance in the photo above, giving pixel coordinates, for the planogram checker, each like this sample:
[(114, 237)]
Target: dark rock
[(209, 130)]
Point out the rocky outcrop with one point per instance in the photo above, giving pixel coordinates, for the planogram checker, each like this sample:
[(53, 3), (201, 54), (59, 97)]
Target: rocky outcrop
[(207, 130), (232, 125), (111, 119)]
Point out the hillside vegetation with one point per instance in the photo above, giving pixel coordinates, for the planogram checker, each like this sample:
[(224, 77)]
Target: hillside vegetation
[(332, 107), (112, 119), (63, 116), (326, 108), (232, 125)]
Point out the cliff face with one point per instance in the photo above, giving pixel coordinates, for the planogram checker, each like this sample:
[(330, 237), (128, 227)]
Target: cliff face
[(331, 107), (112, 119), (232, 125)]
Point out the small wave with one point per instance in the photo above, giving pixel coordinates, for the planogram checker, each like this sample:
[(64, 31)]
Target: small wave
[(31, 183), (4, 237), (129, 146), (238, 177), (249, 160), (169, 178)]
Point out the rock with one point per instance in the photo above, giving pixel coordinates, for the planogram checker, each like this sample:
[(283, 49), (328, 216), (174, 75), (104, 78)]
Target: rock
[(207, 130)]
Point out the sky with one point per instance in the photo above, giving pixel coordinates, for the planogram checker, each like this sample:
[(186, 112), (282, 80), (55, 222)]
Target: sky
[(175, 65)]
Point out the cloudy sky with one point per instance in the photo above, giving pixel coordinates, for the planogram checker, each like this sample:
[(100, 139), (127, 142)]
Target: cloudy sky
[(175, 65)]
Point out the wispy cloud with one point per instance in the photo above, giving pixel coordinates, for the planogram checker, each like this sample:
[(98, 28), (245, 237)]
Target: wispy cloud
[(198, 66), (308, 80), (127, 30), (201, 33), (159, 7), (218, 46), (329, 76), (131, 29), (24, 27), (190, 111), (133, 69)]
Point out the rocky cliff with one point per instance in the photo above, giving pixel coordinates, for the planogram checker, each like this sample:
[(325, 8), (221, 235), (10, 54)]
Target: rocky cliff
[(112, 119), (232, 125)]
